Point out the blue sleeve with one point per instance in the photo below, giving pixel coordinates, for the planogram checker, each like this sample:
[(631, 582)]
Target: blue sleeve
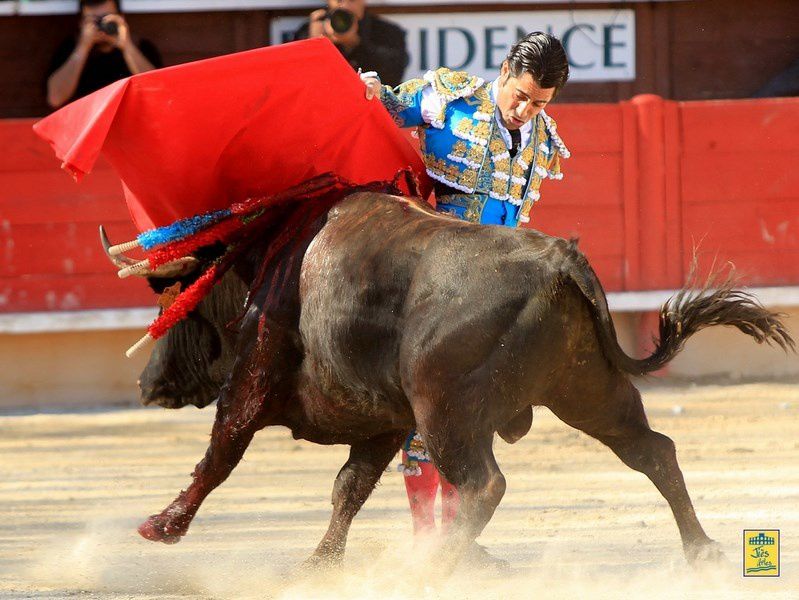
[(404, 102)]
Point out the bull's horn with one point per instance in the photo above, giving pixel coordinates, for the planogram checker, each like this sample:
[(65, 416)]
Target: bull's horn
[(139, 345), (118, 261), (128, 266), (175, 268)]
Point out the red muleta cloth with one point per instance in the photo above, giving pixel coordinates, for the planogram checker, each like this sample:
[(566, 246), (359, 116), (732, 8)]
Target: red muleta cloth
[(198, 137)]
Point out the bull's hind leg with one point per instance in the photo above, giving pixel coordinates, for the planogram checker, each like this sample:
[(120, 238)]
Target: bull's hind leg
[(466, 459), (260, 379), (654, 455), (621, 424), (353, 485)]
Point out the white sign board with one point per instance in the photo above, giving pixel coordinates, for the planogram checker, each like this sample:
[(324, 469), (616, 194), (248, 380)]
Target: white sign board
[(600, 43)]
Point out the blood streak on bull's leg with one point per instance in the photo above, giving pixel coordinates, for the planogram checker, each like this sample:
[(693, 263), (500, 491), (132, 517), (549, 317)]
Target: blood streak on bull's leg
[(243, 409)]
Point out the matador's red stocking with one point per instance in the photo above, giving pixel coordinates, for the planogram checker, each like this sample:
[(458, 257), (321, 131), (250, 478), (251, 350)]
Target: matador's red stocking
[(422, 491)]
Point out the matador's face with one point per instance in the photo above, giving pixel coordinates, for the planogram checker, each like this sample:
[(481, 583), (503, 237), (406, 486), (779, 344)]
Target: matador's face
[(520, 98)]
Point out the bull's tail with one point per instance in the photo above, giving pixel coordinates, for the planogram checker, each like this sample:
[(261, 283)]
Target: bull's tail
[(682, 316)]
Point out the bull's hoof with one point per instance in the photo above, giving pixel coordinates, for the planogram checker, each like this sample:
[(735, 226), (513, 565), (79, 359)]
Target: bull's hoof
[(156, 529), (705, 553), (478, 556), (319, 561)]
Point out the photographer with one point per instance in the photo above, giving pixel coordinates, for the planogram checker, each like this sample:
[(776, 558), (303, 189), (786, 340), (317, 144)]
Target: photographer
[(102, 53), (366, 41)]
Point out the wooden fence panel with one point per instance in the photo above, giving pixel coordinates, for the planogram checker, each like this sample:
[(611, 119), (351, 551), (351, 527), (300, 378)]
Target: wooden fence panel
[(648, 180)]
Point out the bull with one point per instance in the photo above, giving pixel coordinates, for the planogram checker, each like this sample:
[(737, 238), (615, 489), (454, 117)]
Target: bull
[(385, 317)]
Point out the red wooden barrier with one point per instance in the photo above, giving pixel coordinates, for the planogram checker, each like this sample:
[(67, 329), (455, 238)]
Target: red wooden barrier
[(647, 181), (51, 255), (720, 175), (740, 185)]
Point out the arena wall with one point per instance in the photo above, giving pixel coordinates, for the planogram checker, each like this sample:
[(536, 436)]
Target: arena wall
[(650, 185), (649, 181)]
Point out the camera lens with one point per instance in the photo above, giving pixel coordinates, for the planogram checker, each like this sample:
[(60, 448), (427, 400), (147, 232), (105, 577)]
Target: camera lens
[(107, 27), (341, 20)]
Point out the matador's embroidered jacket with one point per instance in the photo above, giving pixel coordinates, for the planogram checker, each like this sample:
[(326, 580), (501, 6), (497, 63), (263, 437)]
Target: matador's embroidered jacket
[(464, 152)]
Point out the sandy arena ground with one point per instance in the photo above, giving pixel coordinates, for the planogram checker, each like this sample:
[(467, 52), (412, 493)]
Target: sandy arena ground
[(575, 523)]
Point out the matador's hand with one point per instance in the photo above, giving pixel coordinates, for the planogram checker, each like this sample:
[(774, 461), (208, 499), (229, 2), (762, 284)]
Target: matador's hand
[(372, 83)]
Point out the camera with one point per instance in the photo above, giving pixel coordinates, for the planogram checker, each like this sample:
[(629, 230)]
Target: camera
[(107, 27), (340, 19)]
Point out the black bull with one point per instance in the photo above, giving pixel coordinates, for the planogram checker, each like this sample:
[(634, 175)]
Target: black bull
[(389, 318)]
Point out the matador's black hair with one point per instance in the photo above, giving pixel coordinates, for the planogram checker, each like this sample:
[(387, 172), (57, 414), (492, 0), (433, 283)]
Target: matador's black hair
[(541, 55)]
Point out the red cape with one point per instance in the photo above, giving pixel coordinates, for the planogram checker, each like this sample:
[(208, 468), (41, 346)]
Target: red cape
[(197, 137)]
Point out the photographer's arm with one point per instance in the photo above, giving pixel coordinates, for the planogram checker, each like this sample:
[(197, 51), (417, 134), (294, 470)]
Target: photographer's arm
[(61, 85), (63, 82), (136, 61)]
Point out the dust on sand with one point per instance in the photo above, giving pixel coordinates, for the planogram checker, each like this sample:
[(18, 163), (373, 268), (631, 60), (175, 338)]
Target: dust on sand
[(574, 522)]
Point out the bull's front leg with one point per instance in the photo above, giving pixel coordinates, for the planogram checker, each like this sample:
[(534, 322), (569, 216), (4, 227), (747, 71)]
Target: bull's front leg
[(354, 483), (232, 432), (257, 381)]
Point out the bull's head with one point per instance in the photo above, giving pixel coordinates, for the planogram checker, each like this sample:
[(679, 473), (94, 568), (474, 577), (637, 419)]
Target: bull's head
[(189, 364)]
